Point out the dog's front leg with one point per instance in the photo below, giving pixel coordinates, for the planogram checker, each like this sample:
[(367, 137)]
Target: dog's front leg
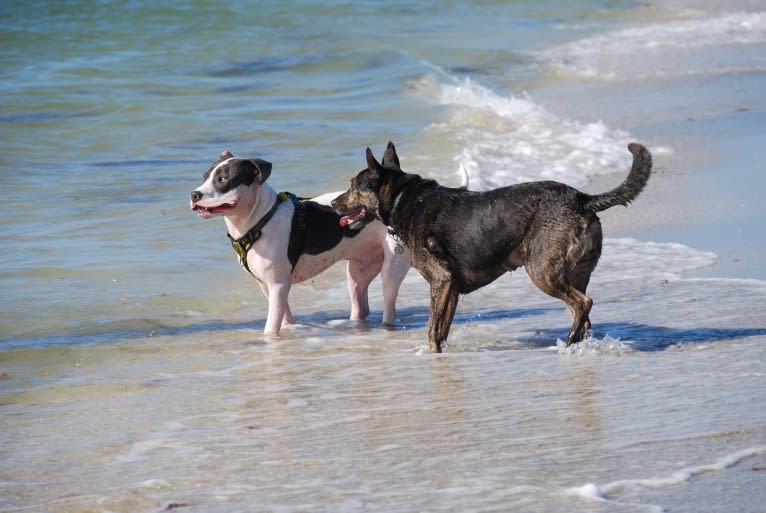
[(288, 317), (278, 307), (443, 305)]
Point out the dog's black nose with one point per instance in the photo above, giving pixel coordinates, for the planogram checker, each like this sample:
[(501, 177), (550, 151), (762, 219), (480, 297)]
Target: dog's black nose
[(334, 203), (196, 196)]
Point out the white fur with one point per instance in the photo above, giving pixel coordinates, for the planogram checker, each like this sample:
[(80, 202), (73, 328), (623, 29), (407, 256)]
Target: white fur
[(368, 253), (221, 163)]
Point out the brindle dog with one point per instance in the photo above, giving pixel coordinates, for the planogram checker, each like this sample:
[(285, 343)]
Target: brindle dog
[(462, 240)]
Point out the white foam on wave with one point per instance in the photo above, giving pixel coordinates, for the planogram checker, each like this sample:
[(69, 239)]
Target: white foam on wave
[(608, 491), (594, 346), (629, 259), (619, 54), (507, 139)]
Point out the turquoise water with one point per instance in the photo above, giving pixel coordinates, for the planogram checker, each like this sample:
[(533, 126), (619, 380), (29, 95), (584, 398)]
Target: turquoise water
[(133, 373), (112, 110)]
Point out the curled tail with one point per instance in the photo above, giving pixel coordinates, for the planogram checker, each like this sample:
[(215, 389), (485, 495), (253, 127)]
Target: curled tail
[(630, 188)]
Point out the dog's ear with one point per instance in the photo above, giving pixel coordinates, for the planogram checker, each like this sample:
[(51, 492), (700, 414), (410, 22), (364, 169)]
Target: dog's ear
[(263, 169), (225, 154), (390, 158), (372, 164)]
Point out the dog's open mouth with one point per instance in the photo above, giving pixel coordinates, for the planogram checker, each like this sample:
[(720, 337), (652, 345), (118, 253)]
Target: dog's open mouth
[(203, 211), (354, 217)]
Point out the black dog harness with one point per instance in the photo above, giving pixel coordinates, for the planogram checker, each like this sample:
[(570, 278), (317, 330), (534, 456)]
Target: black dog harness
[(314, 229)]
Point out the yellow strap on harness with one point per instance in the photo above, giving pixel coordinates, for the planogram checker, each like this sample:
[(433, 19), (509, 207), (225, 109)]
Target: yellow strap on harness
[(243, 244)]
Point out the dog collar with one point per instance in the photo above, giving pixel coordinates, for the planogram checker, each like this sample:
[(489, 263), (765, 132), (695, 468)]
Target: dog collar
[(243, 244)]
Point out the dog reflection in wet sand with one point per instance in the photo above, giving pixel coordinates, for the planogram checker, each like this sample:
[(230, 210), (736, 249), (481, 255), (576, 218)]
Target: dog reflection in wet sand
[(462, 240)]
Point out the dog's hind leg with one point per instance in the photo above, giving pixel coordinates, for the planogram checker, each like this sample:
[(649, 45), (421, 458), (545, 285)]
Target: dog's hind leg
[(579, 274), (556, 285), (360, 274), (444, 299), (392, 274), (579, 277), (580, 305)]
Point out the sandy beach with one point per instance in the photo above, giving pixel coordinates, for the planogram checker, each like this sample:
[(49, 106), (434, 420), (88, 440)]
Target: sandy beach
[(134, 373)]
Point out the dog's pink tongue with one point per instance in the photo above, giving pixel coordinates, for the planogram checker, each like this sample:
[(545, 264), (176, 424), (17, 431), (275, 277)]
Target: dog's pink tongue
[(352, 217)]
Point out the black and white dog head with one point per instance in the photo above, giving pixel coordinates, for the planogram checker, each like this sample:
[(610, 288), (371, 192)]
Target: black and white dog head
[(226, 182)]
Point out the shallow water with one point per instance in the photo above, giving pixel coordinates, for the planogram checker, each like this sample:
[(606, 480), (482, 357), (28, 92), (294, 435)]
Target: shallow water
[(134, 376), (343, 419)]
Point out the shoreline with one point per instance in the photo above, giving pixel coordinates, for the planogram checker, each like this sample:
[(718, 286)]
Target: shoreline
[(704, 198), (707, 182)]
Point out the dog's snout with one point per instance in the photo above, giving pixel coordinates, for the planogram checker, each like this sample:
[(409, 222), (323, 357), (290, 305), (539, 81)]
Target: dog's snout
[(334, 203), (196, 196)]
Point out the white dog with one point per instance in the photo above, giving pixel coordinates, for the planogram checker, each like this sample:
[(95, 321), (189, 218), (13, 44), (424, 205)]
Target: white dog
[(282, 240)]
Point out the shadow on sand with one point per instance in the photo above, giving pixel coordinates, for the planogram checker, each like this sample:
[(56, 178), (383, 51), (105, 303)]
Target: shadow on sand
[(640, 337)]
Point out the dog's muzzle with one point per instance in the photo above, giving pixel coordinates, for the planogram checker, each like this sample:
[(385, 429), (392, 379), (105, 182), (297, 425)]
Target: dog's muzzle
[(208, 211)]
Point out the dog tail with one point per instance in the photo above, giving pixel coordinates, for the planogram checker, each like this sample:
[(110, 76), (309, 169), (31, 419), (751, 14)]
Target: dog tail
[(630, 188)]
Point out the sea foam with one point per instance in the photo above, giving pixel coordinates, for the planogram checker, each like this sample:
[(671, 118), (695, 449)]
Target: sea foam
[(628, 259), (608, 491), (618, 54), (507, 139), (594, 346)]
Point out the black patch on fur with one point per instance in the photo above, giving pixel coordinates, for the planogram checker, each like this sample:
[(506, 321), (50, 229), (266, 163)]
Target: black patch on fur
[(237, 172), (232, 174), (315, 229)]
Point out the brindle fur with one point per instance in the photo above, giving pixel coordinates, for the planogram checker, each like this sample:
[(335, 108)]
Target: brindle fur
[(462, 240)]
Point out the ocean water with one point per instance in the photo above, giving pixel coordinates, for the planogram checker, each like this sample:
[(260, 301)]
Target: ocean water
[(134, 376)]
